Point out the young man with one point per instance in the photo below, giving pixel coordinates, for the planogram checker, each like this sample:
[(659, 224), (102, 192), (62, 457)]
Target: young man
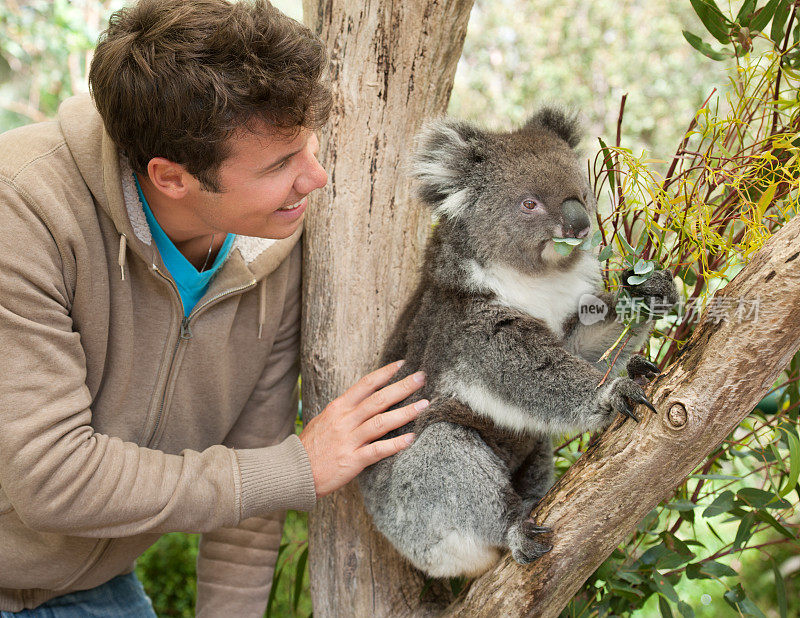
[(149, 316)]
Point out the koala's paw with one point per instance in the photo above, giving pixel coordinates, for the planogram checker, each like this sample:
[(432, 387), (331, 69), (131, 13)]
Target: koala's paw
[(622, 395), (526, 543), (639, 367), (659, 286)]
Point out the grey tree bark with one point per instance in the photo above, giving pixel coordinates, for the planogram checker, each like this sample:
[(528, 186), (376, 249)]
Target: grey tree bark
[(392, 66)]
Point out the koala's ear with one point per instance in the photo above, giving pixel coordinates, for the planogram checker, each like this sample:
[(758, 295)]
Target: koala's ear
[(564, 124), (444, 158)]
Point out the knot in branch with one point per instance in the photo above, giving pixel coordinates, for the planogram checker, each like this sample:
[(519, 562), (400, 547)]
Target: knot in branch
[(677, 416)]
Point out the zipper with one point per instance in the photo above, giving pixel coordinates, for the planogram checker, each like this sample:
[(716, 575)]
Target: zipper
[(184, 334)]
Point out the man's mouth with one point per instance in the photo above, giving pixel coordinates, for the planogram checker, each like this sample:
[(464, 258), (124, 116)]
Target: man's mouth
[(292, 206)]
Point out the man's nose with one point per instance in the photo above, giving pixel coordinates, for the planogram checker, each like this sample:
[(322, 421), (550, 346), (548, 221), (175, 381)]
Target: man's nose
[(313, 177)]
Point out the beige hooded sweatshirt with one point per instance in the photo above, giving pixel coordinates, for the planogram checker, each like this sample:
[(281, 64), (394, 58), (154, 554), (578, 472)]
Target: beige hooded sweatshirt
[(119, 419)]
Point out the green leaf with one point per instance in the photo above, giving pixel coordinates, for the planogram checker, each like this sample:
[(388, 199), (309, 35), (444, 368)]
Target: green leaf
[(763, 15), (780, 588), (703, 47), (609, 163), (298, 576), (685, 609), (722, 504), (563, 248), (708, 570), (275, 580), (605, 253), (663, 606), (779, 21), (737, 599), (769, 519), (794, 461), (625, 245), (568, 241), (745, 531), (597, 238), (643, 267), (654, 554), (713, 19), (759, 499), (716, 477), (637, 279), (682, 505), (747, 9)]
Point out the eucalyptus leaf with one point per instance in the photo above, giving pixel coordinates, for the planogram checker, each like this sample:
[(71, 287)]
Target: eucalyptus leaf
[(780, 588), (685, 609), (722, 504), (762, 16), (778, 30), (300, 572), (703, 47), (794, 461), (563, 248), (636, 279), (745, 531), (643, 267), (606, 253), (759, 498), (713, 19)]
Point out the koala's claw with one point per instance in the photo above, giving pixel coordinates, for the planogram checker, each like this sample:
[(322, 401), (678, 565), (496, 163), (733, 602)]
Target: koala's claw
[(623, 391), (524, 541), (639, 366), (645, 402), (626, 410)]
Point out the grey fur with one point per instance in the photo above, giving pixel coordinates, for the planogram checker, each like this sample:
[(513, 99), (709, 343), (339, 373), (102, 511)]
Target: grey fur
[(493, 323)]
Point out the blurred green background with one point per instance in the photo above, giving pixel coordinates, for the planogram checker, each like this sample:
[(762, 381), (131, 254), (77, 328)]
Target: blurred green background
[(517, 55)]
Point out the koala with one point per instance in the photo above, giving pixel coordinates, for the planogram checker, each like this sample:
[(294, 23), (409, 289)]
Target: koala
[(494, 324)]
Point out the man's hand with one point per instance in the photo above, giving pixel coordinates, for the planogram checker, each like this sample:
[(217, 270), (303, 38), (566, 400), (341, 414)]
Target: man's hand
[(339, 440)]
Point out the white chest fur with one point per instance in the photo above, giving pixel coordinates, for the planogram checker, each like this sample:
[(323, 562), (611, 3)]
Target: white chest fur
[(551, 297)]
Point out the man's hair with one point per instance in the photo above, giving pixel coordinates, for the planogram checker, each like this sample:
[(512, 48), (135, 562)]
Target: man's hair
[(176, 78)]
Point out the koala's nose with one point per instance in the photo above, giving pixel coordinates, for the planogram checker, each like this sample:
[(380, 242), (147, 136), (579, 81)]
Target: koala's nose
[(575, 218)]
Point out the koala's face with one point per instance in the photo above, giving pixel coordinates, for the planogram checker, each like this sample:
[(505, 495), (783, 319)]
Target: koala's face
[(509, 193)]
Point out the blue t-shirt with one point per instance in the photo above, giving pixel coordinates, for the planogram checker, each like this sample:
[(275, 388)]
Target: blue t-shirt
[(191, 283)]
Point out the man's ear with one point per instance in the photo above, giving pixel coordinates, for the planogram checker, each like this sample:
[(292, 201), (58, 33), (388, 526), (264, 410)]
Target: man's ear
[(169, 178), (446, 154)]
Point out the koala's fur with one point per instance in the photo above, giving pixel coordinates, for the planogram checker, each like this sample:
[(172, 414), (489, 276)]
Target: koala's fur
[(494, 325)]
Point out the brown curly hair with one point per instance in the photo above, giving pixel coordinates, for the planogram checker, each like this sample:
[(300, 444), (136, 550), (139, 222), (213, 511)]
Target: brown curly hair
[(176, 78)]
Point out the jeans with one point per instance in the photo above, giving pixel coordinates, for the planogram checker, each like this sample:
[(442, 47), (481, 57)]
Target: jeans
[(121, 597)]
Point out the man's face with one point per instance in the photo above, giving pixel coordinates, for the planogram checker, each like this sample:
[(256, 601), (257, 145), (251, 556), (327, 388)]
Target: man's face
[(264, 172)]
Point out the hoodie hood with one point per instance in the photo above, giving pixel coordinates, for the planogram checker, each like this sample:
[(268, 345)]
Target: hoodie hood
[(111, 184)]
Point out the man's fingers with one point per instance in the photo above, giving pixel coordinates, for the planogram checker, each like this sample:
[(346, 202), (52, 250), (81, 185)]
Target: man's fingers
[(368, 385), (371, 453), (388, 396), (380, 424)]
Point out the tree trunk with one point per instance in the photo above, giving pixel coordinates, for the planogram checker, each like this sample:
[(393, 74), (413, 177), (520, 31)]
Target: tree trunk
[(392, 65), (725, 369)]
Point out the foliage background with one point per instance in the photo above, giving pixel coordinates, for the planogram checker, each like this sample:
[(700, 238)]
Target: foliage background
[(517, 55)]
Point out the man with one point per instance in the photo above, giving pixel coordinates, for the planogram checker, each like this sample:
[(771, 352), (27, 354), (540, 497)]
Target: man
[(149, 316)]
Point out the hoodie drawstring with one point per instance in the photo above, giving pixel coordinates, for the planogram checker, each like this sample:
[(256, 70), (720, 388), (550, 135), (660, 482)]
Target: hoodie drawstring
[(262, 305), (121, 256)]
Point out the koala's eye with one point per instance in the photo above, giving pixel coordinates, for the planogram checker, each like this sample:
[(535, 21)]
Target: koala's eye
[(531, 204)]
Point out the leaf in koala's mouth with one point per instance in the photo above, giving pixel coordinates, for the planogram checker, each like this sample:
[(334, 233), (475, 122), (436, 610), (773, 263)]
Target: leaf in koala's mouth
[(564, 246)]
